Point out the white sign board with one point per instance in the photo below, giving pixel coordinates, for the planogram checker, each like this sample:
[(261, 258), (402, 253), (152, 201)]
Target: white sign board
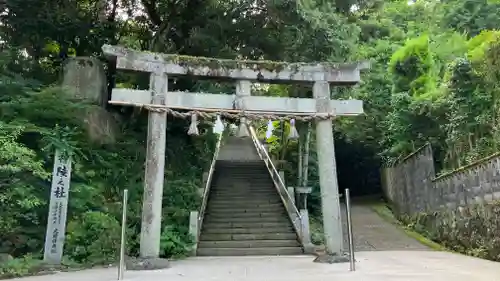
[(58, 207)]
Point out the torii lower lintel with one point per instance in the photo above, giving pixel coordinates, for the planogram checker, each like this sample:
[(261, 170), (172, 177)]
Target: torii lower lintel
[(225, 102)]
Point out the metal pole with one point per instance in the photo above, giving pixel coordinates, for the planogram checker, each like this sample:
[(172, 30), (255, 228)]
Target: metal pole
[(349, 230), (121, 265)]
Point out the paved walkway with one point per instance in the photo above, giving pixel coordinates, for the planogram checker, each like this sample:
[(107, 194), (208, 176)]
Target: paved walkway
[(371, 266), (385, 253), (372, 233)]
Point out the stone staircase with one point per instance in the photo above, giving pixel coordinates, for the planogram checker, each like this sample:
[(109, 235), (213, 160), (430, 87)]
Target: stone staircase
[(245, 214)]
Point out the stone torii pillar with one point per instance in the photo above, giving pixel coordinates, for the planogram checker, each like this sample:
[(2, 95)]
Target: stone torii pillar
[(243, 72), (325, 147), (155, 165)]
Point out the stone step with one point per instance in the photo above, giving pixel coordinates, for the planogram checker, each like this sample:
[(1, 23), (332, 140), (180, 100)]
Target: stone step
[(249, 244), (231, 165), (268, 251), (267, 190), (225, 208), (247, 183), (242, 181), (258, 230), (239, 209), (243, 199), (248, 236), (263, 206), (270, 192), (208, 225), (276, 218), (257, 214), (229, 178), (261, 174), (228, 207), (248, 201), (245, 214), (250, 214), (243, 167), (244, 206), (252, 198), (260, 189), (234, 175)]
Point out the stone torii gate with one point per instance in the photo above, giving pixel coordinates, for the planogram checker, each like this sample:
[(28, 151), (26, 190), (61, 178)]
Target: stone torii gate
[(162, 67)]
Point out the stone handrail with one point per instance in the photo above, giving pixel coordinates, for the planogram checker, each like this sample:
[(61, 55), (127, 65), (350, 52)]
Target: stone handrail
[(286, 197), (196, 217), (206, 190)]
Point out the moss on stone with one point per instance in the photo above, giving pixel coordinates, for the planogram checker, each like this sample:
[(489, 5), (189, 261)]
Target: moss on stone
[(215, 64), (226, 64)]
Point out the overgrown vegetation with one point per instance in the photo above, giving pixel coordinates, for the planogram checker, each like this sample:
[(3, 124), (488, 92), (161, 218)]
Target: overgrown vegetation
[(101, 172), (386, 213), (434, 78), (472, 230)]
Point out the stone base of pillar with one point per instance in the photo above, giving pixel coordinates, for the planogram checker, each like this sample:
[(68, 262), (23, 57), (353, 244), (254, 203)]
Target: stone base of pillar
[(146, 263), (327, 258)]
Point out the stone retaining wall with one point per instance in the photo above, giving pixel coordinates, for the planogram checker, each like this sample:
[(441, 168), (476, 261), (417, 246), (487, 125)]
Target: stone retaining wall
[(412, 186)]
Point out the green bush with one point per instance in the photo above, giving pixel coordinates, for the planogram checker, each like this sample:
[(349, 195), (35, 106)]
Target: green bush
[(412, 67), (317, 234), (174, 243), (26, 265), (93, 238)]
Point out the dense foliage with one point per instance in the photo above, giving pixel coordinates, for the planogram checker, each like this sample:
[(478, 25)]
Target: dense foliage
[(434, 78), (472, 230)]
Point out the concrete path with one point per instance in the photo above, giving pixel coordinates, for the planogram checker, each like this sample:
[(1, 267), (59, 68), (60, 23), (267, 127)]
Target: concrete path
[(373, 233), (371, 266), (385, 253)]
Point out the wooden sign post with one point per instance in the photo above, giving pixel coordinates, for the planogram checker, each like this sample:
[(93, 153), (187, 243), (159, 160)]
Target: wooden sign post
[(58, 207)]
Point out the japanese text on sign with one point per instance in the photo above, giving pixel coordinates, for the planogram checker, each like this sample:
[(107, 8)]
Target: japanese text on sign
[(58, 206), (61, 173)]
